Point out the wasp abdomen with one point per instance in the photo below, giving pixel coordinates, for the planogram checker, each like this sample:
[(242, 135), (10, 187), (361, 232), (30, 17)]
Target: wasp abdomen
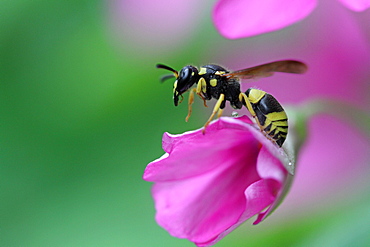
[(270, 114)]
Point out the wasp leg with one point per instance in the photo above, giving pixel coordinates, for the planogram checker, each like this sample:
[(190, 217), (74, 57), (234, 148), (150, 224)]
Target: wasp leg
[(204, 100), (190, 102), (215, 110), (219, 113), (202, 87), (182, 98), (243, 96)]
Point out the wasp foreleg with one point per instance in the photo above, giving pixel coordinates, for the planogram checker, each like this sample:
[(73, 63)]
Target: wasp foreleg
[(215, 110), (202, 88), (190, 102)]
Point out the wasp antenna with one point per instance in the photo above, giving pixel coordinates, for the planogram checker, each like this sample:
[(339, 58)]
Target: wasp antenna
[(162, 66), (166, 77)]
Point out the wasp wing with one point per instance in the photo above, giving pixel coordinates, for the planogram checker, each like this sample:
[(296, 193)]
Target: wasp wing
[(268, 69)]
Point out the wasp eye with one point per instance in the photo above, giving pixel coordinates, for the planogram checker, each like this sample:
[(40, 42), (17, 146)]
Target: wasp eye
[(185, 74), (187, 77)]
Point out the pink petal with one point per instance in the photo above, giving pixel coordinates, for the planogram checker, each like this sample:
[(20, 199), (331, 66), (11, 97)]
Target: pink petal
[(258, 196), (269, 167), (201, 153), (207, 185), (200, 207), (243, 18), (356, 5)]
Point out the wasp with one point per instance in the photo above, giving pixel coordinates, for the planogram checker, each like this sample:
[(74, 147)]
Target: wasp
[(214, 81)]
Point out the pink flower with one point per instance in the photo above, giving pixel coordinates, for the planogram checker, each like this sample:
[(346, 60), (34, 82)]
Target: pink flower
[(154, 26), (207, 185), (244, 18)]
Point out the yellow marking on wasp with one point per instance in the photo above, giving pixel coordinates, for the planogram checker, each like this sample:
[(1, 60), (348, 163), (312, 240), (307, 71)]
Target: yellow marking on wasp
[(273, 127), (174, 86), (203, 84), (250, 109), (276, 129), (202, 71), (213, 82), (277, 116), (215, 110), (219, 72), (255, 95), (267, 123), (282, 130), (281, 123), (199, 86)]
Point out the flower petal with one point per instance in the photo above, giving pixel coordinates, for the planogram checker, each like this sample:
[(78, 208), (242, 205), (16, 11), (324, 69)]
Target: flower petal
[(258, 196), (269, 167), (207, 185), (243, 18), (201, 207), (201, 153), (356, 5)]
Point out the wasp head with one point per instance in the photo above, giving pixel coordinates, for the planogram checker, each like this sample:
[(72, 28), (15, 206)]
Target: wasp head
[(186, 78)]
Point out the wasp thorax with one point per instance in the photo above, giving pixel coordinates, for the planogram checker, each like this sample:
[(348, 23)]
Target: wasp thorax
[(187, 77)]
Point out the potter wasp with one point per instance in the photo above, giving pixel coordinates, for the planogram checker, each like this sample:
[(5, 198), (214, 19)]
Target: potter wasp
[(214, 81)]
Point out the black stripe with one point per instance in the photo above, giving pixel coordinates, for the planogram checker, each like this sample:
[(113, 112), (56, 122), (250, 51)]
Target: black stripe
[(268, 127), (269, 104), (283, 132), (283, 127), (260, 116), (280, 141), (276, 136), (272, 133)]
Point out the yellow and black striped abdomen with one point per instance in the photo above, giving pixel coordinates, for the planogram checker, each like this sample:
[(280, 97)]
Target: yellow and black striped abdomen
[(270, 115)]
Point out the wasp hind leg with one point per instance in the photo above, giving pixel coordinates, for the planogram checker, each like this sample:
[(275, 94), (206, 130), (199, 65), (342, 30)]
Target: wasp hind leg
[(216, 109)]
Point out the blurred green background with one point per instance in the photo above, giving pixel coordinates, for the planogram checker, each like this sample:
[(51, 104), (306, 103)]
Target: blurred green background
[(82, 113)]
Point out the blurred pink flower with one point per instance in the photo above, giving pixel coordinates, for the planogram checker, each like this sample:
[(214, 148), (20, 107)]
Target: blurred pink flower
[(356, 5), (207, 185), (154, 26), (244, 18)]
